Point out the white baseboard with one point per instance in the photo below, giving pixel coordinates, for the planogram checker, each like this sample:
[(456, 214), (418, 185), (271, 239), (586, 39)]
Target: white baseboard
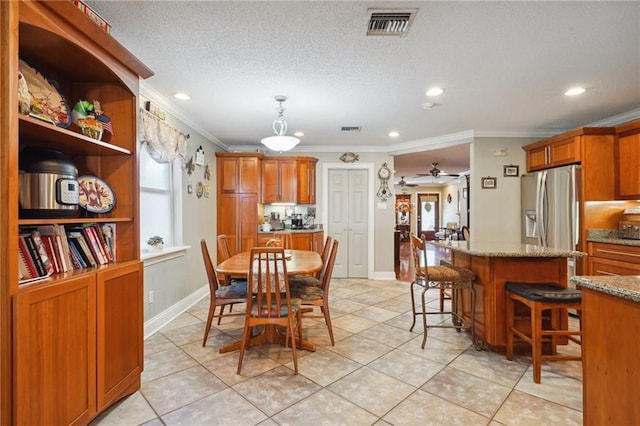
[(384, 276), (171, 313)]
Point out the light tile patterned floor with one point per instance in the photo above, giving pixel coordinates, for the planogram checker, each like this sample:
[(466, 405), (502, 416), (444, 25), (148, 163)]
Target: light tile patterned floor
[(375, 374)]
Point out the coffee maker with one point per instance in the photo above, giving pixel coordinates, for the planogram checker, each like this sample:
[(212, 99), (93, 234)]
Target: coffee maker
[(296, 221)]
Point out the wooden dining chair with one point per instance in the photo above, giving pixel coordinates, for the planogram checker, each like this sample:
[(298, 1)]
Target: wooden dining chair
[(220, 295), (312, 295), (269, 301), (286, 241), (224, 250)]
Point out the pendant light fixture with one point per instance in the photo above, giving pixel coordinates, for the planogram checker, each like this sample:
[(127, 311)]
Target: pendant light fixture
[(280, 142)]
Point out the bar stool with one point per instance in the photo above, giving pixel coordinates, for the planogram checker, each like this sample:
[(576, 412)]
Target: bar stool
[(540, 298), (444, 276)]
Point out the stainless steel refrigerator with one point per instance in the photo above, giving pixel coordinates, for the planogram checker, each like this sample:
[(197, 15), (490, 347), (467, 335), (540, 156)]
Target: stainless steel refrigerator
[(549, 202)]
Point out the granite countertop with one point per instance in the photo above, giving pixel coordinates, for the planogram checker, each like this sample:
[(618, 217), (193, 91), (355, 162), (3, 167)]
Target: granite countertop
[(502, 249), (609, 236), (624, 286)]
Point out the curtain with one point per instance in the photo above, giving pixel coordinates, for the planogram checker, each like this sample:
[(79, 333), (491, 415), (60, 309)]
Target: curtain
[(164, 143)]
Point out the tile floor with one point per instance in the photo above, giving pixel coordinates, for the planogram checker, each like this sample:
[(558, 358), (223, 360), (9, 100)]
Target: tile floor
[(375, 374)]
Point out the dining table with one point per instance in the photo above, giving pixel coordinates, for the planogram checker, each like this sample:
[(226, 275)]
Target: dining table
[(299, 262)]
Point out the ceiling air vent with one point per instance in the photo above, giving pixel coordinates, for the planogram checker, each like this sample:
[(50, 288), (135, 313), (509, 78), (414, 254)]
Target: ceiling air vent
[(391, 22), (350, 129)]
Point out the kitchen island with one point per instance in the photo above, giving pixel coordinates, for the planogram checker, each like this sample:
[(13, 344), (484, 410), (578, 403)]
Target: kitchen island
[(495, 263), (610, 348)]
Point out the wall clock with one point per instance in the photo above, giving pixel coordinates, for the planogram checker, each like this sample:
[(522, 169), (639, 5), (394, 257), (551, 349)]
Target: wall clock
[(384, 173)]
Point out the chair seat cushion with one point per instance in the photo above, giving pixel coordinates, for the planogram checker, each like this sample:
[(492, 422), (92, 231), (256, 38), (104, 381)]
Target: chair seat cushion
[(264, 313), (307, 293), (443, 273), (545, 292), (237, 289), (304, 280)]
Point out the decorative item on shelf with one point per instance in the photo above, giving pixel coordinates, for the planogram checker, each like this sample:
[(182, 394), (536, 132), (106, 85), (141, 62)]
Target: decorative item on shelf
[(95, 17), (155, 110), (349, 157), (46, 102), (155, 243), (280, 142), (24, 97), (95, 195), (488, 182), (91, 120), (511, 171)]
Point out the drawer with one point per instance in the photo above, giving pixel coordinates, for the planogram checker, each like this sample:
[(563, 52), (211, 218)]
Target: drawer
[(600, 266), (619, 252)]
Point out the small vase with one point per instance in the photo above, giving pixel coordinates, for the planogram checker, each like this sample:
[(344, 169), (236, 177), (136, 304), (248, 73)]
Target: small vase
[(155, 247)]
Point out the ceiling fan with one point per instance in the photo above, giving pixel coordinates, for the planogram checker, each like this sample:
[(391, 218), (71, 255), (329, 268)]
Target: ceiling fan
[(403, 182), (435, 172)]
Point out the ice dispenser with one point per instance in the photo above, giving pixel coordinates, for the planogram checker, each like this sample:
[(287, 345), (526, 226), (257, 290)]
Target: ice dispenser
[(530, 224)]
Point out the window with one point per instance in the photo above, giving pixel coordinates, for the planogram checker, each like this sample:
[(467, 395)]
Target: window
[(159, 200)]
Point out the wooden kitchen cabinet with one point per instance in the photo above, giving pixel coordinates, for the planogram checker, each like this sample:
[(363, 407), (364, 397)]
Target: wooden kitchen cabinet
[(279, 180), (58, 337), (238, 220), (308, 241), (238, 173), (569, 148), (55, 339), (613, 259), (307, 180), (627, 161)]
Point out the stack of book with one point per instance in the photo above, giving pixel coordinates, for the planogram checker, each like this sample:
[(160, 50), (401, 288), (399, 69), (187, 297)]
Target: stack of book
[(52, 249)]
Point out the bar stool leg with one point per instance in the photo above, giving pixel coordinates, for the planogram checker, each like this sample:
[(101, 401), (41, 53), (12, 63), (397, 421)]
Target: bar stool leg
[(536, 341), (413, 306), (510, 325), (424, 315)]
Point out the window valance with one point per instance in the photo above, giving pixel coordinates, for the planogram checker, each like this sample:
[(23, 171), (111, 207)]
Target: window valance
[(164, 142)]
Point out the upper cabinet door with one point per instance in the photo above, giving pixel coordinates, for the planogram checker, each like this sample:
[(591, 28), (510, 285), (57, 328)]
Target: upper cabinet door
[(279, 180), (238, 174), (627, 156), (307, 181)]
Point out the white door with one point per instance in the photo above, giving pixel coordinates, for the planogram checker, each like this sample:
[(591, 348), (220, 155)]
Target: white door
[(347, 221)]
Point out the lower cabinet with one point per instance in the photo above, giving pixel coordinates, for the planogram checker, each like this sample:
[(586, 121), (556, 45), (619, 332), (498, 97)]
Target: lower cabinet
[(313, 241), (78, 345), (613, 259)]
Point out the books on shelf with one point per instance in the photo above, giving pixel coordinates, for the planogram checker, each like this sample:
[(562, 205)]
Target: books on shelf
[(51, 249)]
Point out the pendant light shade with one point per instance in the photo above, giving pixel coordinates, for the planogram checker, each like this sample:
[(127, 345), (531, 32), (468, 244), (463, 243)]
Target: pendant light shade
[(280, 142)]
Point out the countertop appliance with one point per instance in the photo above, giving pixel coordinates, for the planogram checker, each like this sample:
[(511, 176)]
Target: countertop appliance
[(297, 221), (629, 225), (48, 184), (549, 202)]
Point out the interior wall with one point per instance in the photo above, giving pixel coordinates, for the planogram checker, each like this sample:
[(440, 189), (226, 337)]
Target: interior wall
[(173, 278), (495, 213)]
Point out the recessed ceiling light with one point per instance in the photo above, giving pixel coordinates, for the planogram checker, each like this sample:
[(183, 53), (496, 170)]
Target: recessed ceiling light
[(574, 91), (435, 91), (182, 96), (298, 134), (428, 105), (394, 134)]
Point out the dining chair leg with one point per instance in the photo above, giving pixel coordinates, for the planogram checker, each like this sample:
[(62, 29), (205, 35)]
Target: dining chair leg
[(292, 330), (221, 312), (244, 342), (209, 321), (327, 319)]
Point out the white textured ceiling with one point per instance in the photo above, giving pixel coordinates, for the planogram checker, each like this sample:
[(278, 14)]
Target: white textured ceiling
[(504, 65)]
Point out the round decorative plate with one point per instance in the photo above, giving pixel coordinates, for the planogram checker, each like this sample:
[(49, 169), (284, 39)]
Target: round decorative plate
[(47, 103), (95, 195)]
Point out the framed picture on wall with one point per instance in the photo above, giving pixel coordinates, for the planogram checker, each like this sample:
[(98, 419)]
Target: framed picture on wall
[(488, 182), (511, 171)]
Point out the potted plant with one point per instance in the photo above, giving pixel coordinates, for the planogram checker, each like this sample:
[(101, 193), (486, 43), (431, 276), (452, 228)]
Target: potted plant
[(156, 243)]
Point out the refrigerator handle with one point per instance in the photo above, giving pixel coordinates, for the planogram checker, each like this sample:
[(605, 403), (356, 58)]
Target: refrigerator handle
[(540, 210), (573, 199)]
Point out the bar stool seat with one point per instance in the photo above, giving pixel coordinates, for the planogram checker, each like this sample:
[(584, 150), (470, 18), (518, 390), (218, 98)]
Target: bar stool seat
[(540, 298)]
